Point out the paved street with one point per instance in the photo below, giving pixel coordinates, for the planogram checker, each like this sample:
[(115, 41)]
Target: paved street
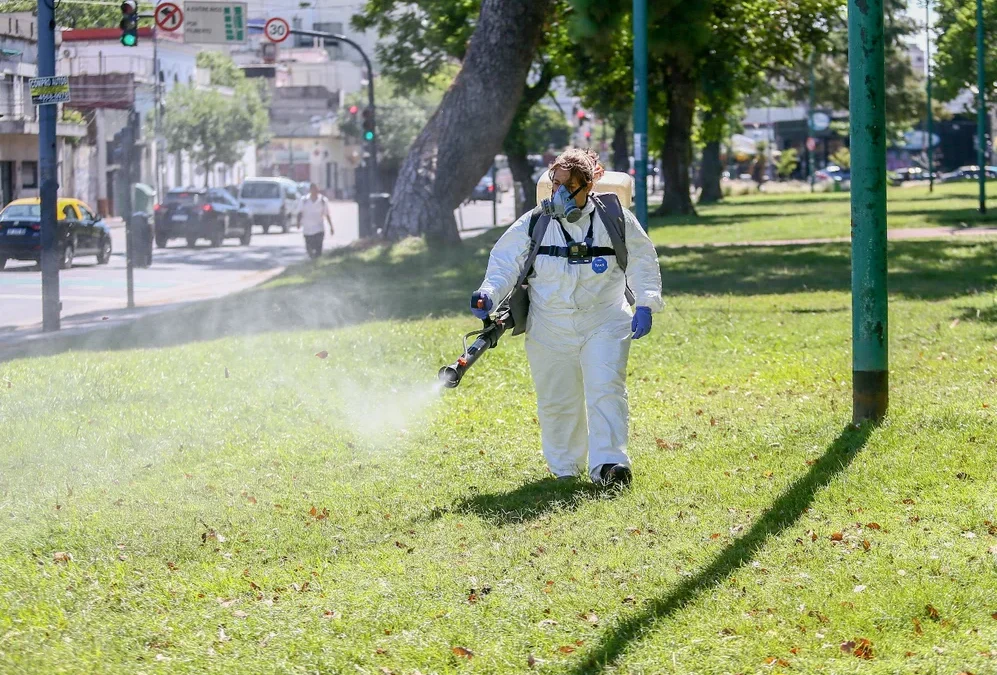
[(180, 274)]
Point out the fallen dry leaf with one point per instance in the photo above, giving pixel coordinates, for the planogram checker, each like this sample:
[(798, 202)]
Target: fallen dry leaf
[(837, 536), (863, 649), (322, 354), (566, 649), (768, 474), (873, 526), (531, 661), (171, 565), (954, 323), (794, 651), (917, 627), (331, 614), (932, 612), (226, 603), (847, 647), (251, 499), (62, 557), (715, 535), (994, 616), (866, 545), (589, 617), (463, 652), (239, 614)]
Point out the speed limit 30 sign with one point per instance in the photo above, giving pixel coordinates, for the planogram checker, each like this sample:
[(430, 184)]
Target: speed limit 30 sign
[(276, 30)]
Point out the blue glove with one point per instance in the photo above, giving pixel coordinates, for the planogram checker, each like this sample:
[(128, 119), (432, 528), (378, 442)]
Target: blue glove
[(641, 324), (481, 304)]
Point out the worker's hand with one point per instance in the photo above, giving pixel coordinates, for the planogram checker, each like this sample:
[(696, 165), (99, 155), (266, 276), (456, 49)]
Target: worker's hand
[(641, 324), (481, 304)]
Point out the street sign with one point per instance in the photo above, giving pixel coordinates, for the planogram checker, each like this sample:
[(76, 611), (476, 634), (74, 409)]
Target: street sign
[(49, 90), (811, 144), (276, 30), (169, 16), (820, 121), (215, 22)]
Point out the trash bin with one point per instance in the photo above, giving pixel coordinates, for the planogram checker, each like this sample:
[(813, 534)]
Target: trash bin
[(141, 224), (379, 203)]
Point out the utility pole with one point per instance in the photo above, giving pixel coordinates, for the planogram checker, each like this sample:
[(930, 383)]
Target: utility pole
[(810, 122), (640, 107), (981, 111), (927, 64), (48, 164), (129, 137), (870, 303), (495, 194), (158, 123)]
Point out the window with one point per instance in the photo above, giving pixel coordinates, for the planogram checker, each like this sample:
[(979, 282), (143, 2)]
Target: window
[(260, 190), (87, 215), (29, 174), (69, 213)]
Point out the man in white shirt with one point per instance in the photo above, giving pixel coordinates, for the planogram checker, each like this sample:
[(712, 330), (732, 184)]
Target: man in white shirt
[(313, 214)]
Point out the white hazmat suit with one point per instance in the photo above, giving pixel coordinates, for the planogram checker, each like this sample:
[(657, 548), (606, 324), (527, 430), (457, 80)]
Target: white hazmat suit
[(578, 336)]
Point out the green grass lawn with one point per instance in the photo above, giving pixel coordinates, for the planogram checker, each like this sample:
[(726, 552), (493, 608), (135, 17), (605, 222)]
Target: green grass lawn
[(764, 217), (232, 502)]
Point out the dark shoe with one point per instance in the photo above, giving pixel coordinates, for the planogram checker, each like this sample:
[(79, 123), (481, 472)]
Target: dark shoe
[(615, 475)]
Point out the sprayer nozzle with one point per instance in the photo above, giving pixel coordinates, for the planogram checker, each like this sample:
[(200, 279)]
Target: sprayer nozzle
[(449, 377)]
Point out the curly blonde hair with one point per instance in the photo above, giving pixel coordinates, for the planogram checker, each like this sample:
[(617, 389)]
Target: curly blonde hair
[(581, 164)]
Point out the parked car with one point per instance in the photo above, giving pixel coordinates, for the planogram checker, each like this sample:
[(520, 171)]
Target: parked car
[(201, 213), (273, 202), (484, 190), (79, 232), (833, 172), (968, 172)]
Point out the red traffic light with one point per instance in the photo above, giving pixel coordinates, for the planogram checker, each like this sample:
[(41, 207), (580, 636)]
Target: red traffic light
[(581, 114), (588, 134), (354, 110)]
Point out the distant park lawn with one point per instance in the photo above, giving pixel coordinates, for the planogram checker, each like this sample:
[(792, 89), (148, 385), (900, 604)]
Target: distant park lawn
[(202, 492), (777, 217)]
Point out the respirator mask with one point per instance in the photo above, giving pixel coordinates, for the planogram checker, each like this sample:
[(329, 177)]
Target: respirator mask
[(562, 205)]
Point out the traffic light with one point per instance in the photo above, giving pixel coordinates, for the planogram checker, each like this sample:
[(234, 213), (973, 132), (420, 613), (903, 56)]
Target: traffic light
[(581, 117), (368, 124), (129, 23)]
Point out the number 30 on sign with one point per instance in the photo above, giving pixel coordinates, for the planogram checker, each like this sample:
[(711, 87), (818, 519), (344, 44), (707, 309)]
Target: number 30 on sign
[(276, 30)]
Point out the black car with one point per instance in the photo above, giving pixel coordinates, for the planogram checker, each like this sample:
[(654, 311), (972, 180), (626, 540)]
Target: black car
[(202, 213), (79, 232), (484, 190)]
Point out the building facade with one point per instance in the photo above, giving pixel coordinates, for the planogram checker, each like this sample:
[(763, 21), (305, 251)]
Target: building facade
[(19, 171)]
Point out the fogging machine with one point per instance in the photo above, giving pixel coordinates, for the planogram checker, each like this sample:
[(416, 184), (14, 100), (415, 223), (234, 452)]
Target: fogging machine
[(495, 326)]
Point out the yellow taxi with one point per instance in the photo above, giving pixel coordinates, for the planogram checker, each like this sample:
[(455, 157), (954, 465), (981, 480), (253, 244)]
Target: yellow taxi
[(79, 232)]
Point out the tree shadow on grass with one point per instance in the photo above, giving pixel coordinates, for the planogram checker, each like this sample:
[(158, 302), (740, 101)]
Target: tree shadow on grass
[(530, 501), (783, 513)]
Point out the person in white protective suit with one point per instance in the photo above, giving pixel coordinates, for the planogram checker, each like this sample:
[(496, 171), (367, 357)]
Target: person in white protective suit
[(580, 325)]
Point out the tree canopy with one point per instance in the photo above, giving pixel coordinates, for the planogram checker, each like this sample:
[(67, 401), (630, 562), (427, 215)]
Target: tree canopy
[(955, 56), (210, 125)]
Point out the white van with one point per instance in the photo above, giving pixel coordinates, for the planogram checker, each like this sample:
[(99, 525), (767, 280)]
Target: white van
[(274, 202)]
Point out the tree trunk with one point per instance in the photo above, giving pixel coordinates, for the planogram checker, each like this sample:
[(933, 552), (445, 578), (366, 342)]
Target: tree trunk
[(522, 173), (678, 148), (621, 149), (709, 174), (515, 145), (459, 143)]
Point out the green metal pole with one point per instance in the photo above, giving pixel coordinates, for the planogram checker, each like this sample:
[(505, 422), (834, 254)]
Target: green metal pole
[(931, 162), (810, 123), (870, 335), (640, 107), (981, 126)]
